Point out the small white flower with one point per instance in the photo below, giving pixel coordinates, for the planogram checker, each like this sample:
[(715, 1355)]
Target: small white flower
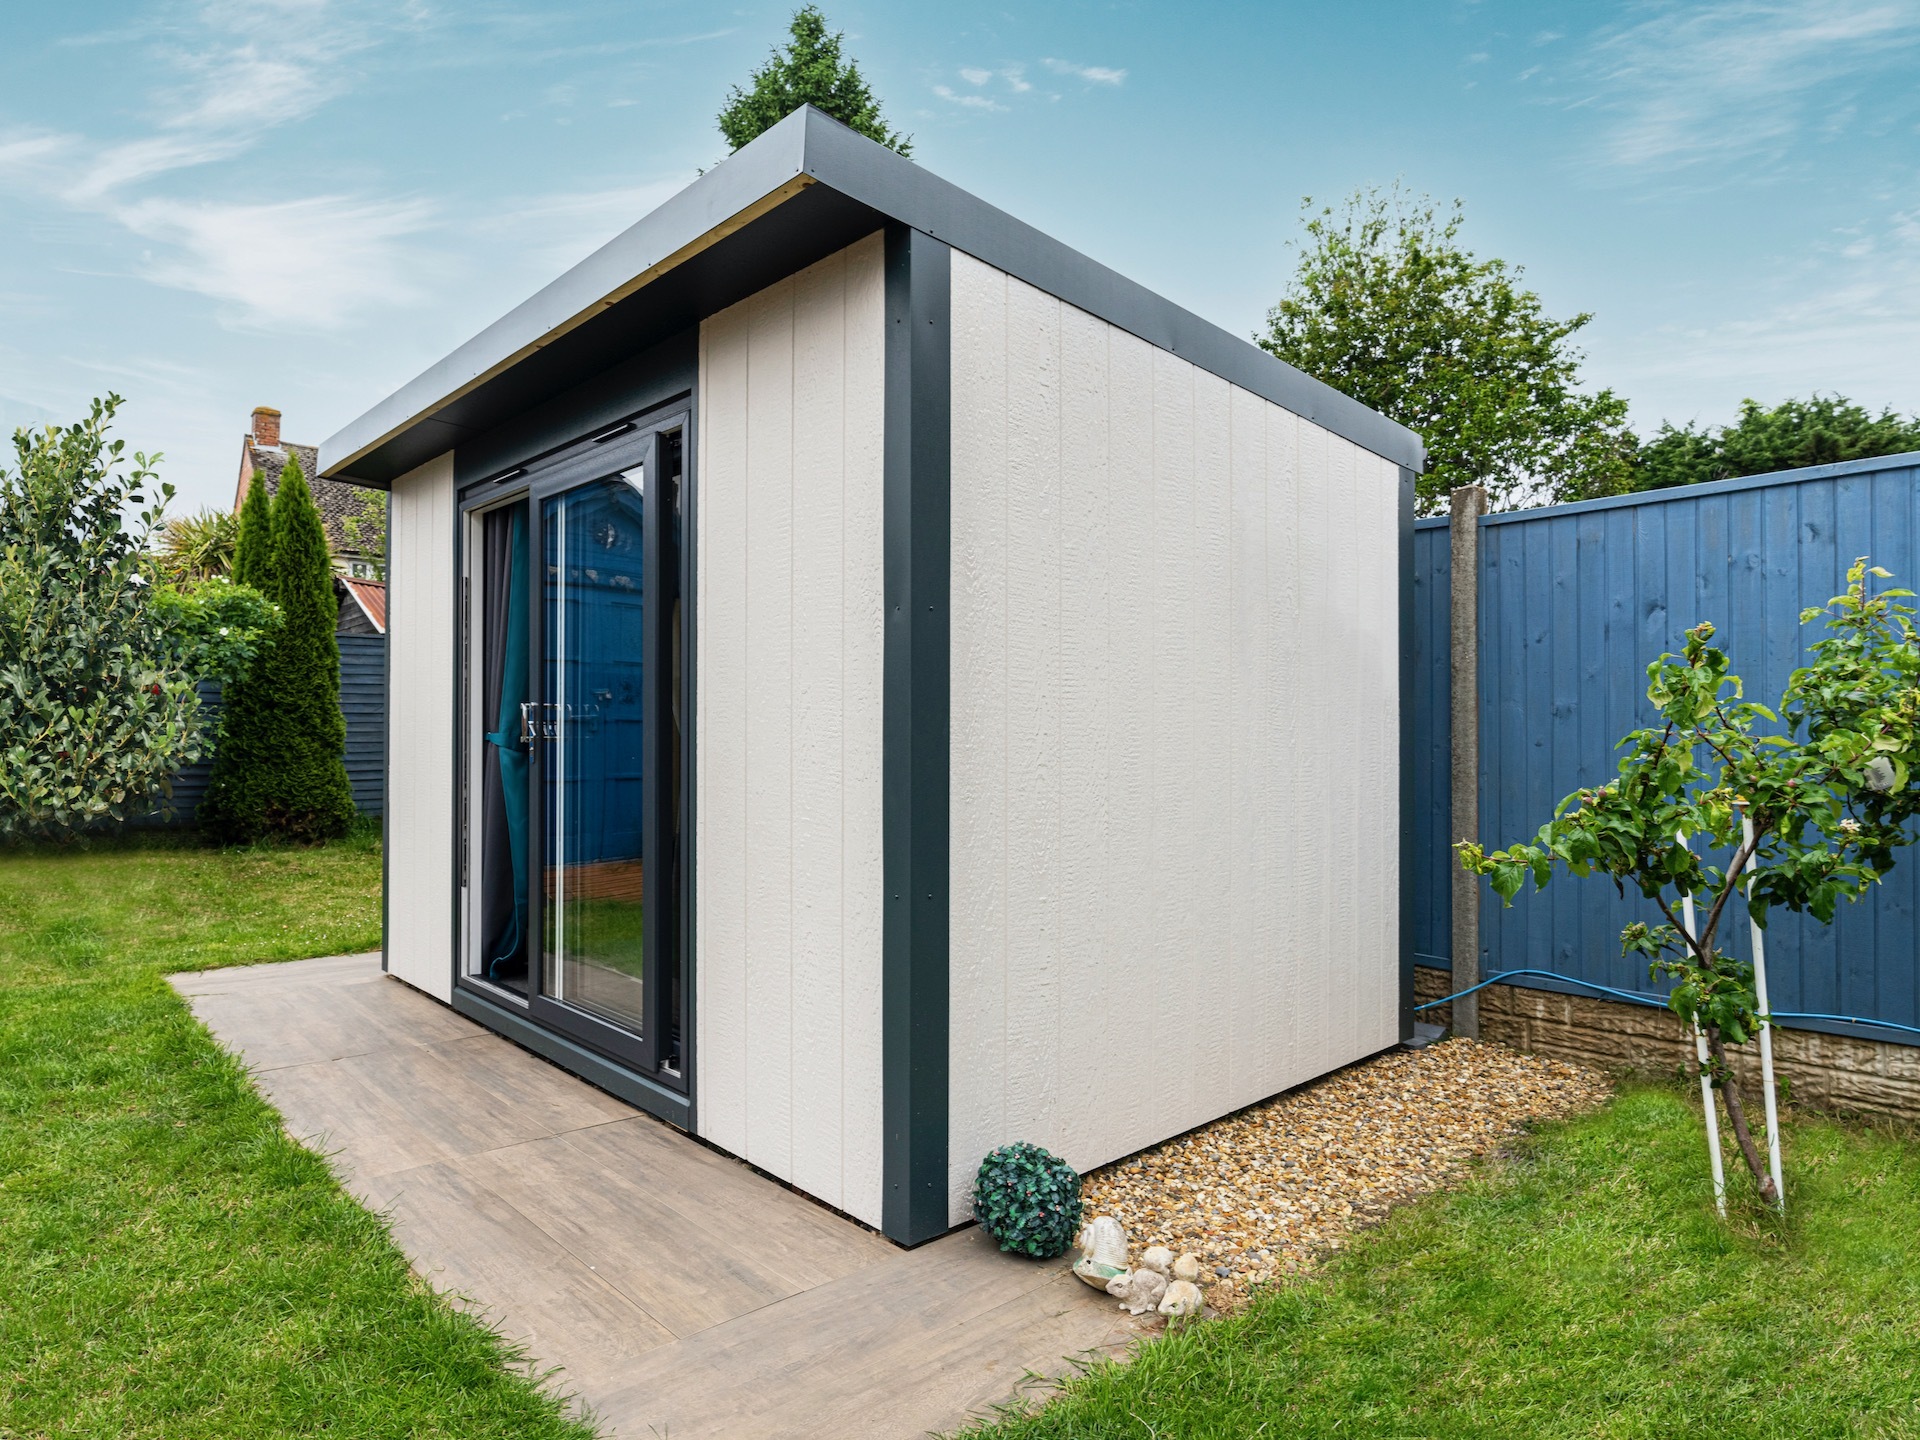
[(224, 630), (1850, 827)]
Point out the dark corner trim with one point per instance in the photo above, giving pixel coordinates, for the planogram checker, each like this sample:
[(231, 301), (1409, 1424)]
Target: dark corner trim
[(918, 535), (1407, 861), (386, 765), (589, 1065)]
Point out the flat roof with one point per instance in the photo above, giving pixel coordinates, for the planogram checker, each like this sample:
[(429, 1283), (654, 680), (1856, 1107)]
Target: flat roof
[(804, 154)]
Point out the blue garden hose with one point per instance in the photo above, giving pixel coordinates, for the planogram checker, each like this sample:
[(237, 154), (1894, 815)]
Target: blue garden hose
[(1639, 999)]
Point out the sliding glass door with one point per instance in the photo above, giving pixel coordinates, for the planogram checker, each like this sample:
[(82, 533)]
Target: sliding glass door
[(593, 855), (597, 743)]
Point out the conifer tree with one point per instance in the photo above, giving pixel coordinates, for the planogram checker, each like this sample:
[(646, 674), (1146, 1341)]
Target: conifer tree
[(810, 71), (307, 793), (233, 811), (255, 543)]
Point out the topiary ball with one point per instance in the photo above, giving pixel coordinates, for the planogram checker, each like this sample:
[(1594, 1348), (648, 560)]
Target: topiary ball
[(1028, 1200)]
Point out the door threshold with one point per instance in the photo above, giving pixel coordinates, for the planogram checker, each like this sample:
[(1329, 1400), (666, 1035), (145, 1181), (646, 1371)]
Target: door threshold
[(616, 1079)]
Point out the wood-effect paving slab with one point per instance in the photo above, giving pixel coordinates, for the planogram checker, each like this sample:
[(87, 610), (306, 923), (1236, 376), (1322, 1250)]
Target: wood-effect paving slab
[(675, 1290)]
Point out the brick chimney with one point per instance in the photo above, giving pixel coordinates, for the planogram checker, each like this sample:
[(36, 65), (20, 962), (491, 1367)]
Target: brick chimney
[(266, 426)]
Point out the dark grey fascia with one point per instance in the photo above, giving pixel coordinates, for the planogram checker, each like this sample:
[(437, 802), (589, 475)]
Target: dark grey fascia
[(809, 152), (881, 180)]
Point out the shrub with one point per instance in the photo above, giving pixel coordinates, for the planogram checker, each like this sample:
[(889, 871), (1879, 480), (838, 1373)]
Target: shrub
[(1028, 1200), (213, 629), (280, 769), (199, 546), (310, 798), (96, 717)]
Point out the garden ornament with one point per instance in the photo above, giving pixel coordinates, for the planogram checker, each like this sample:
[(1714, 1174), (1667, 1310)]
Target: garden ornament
[(1138, 1291), (1182, 1297), (1103, 1252)]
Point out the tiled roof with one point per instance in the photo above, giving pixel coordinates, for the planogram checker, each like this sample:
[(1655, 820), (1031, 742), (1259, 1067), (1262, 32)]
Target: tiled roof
[(335, 498)]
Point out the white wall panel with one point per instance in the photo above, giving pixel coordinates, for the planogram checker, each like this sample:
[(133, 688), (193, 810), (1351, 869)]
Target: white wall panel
[(420, 715), (1175, 767), (791, 403)]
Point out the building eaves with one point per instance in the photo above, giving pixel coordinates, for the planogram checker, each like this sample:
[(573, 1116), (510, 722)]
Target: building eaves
[(806, 149)]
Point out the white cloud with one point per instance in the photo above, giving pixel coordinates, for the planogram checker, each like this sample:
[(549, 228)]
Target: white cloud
[(311, 264), (1845, 316), (1693, 83), (1093, 74), (1013, 77), (550, 233), (229, 73), (971, 102)]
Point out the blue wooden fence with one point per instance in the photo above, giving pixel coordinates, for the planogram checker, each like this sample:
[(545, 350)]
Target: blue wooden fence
[(1575, 601), (363, 701)]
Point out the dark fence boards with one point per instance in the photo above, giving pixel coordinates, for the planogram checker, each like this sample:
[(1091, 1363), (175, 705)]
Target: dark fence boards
[(1575, 602), (363, 702)]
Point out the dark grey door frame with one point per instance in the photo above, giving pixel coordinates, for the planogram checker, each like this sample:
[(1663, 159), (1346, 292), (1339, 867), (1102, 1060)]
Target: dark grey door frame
[(615, 1059)]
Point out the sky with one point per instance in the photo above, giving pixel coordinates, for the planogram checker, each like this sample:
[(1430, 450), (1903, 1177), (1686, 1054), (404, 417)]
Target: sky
[(208, 205)]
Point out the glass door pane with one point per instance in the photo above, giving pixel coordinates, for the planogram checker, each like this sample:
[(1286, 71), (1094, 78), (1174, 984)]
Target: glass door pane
[(593, 723)]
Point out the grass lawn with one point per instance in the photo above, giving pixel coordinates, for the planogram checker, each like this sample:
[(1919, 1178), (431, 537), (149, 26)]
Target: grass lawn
[(170, 1263), (1582, 1288)]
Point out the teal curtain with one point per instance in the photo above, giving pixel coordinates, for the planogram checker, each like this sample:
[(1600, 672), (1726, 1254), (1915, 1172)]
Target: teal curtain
[(512, 754)]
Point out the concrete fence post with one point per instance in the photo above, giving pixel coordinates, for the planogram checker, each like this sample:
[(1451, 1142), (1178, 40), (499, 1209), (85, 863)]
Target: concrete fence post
[(1463, 532)]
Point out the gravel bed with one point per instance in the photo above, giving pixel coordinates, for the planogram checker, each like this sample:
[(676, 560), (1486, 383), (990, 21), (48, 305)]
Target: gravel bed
[(1270, 1190)]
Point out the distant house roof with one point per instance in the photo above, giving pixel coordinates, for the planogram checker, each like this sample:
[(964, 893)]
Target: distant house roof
[(370, 596), (263, 450)]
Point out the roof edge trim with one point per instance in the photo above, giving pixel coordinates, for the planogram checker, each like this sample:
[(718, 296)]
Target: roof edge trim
[(729, 197), (806, 148)]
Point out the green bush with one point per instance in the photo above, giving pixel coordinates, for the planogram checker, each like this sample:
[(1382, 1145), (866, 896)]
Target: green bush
[(280, 769), (213, 629), (1028, 1200), (96, 716)]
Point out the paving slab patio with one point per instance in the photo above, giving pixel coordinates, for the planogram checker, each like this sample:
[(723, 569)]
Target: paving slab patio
[(679, 1293)]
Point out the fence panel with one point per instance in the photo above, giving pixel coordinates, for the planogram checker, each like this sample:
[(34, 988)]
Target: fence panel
[(363, 703), (1576, 601)]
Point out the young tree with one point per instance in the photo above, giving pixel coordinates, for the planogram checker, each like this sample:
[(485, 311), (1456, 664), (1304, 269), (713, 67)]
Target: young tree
[(95, 716), (1829, 802), (1388, 306), (280, 768), (234, 807), (253, 542), (810, 71), (310, 798), (1823, 430)]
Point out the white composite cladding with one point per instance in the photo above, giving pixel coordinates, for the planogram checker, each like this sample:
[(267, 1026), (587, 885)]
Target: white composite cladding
[(788, 779), (420, 706), (1175, 738)]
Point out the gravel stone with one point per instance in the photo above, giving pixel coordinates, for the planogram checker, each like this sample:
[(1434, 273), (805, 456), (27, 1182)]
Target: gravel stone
[(1269, 1191)]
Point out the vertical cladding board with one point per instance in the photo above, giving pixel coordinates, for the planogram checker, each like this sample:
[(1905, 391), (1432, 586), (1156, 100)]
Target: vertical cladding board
[(790, 645), (1175, 655), (423, 597)]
